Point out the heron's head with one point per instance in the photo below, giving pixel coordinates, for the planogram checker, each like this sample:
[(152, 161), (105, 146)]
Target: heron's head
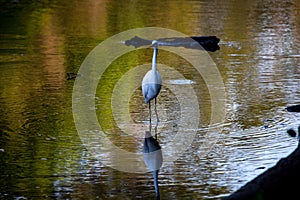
[(154, 43)]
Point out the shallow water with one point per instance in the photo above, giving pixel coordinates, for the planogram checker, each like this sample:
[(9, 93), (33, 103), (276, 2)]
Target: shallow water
[(41, 153)]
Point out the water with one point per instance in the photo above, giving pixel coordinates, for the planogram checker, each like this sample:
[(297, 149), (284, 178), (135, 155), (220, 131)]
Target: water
[(41, 153)]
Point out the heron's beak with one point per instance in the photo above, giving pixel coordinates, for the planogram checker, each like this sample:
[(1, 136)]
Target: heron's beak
[(150, 46)]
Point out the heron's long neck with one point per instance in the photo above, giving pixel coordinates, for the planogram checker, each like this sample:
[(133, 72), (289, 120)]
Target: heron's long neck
[(154, 59)]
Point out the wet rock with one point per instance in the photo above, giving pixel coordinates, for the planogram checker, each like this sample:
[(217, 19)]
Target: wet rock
[(294, 108), (278, 182), (291, 132)]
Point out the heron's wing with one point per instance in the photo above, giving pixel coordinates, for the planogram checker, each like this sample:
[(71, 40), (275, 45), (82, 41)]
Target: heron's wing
[(150, 91)]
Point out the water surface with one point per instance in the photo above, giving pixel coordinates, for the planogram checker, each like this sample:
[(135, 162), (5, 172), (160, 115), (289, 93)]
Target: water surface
[(41, 153)]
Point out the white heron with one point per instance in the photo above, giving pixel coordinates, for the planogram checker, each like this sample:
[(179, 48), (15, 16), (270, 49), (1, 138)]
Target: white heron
[(152, 81)]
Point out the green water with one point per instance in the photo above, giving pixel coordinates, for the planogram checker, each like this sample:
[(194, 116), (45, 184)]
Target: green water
[(41, 153)]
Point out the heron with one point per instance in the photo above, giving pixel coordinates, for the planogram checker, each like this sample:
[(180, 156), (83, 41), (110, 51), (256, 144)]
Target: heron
[(152, 81), (153, 158)]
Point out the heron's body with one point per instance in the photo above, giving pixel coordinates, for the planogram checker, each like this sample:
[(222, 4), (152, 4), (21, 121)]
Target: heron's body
[(151, 85), (152, 82)]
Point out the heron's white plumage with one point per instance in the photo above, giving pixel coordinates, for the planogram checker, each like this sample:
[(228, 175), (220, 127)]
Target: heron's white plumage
[(152, 77), (152, 81)]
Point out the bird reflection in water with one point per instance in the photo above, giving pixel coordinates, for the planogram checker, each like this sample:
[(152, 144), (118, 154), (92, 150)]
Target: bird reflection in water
[(153, 156)]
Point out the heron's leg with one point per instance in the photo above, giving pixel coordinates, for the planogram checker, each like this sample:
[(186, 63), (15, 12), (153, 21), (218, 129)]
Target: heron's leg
[(150, 127), (150, 113), (156, 111), (155, 130), (156, 125)]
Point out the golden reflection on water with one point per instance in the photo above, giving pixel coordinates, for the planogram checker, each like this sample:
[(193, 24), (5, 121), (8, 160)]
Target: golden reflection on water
[(42, 41)]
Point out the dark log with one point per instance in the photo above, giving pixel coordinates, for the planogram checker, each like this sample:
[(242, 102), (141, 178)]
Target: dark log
[(208, 43)]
